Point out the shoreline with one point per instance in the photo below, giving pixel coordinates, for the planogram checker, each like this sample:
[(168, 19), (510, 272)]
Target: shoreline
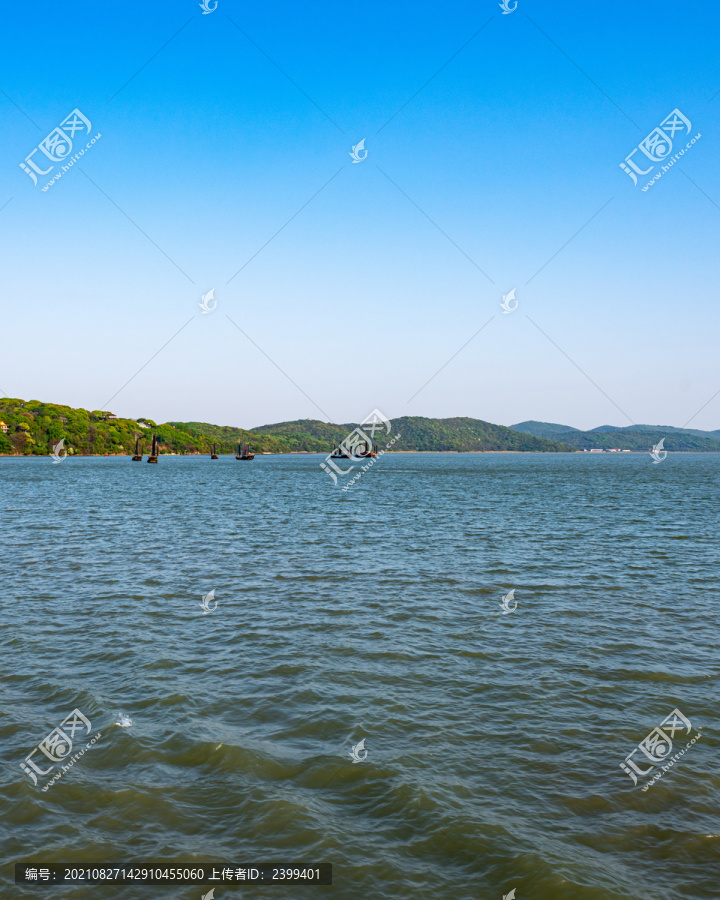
[(129, 456)]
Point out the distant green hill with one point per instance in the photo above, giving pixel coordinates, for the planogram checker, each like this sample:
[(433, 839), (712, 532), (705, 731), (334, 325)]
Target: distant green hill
[(418, 433), (34, 428), (639, 440), (632, 437), (305, 435), (662, 429), (542, 429), (465, 434)]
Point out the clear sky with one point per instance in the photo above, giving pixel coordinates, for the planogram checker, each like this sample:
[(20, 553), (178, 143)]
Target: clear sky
[(494, 145)]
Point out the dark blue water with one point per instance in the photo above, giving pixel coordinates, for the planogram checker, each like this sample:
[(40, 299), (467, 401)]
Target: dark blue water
[(494, 741)]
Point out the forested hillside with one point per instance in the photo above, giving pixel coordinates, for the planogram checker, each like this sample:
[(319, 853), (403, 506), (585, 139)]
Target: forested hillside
[(34, 428)]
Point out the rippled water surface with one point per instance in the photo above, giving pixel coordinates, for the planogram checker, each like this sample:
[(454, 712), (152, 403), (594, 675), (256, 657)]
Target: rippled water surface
[(494, 741)]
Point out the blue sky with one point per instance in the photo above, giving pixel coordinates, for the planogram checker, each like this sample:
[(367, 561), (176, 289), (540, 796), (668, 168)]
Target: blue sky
[(225, 149)]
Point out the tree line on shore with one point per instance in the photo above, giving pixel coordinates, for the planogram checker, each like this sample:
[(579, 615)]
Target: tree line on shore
[(34, 428)]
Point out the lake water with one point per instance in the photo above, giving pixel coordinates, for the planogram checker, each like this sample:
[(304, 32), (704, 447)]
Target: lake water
[(494, 741)]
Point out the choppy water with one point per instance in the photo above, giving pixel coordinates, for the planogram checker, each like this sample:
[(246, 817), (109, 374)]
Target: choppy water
[(494, 741)]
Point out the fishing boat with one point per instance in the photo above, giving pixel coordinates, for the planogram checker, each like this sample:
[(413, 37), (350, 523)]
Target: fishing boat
[(364, 451), (153, 458), (138, 451), (244, 452), (214, 455)]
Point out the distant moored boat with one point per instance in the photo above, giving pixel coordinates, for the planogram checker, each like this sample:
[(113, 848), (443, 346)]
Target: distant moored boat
[(138, 451), (244, 452), (367, 451), (214, 455), (153, 458)]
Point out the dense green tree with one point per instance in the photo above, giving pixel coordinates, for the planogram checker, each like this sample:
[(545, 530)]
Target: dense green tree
[(55, 431)]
